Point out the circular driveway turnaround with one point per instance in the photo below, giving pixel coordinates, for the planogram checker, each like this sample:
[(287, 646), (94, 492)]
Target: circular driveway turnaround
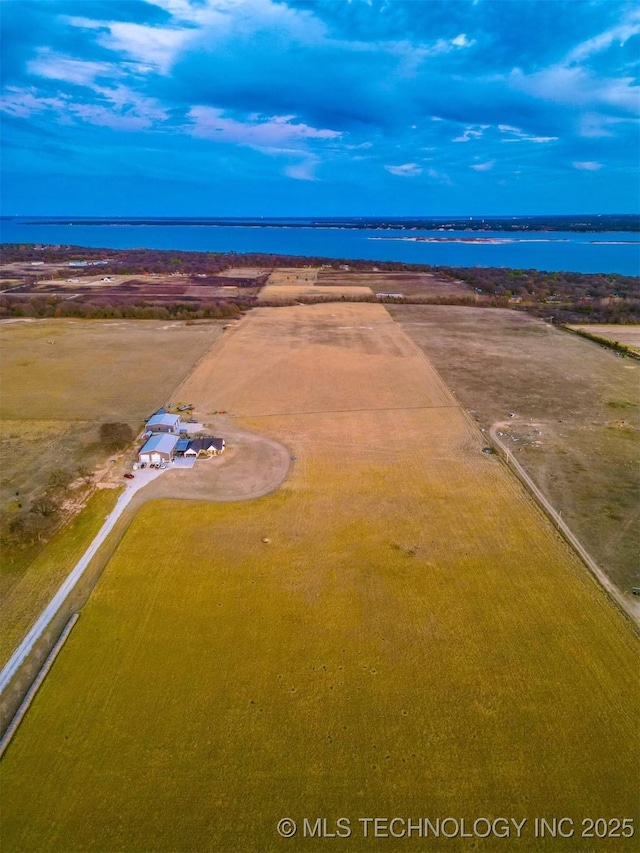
[(252, 466)]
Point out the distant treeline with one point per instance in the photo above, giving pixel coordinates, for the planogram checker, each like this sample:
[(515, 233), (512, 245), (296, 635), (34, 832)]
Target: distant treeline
[(568, 297), (52, 306), (579, 223)]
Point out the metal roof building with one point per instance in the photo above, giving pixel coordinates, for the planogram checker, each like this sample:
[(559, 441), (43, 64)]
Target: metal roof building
[(163, 423), (159, 448)]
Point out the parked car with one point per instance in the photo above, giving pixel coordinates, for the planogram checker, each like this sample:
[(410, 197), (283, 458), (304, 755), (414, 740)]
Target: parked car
[(129, 476)]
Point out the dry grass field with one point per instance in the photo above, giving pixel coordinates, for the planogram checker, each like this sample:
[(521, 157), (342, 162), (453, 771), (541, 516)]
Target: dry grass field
[(577, 407), (413, 640), (61, 379), (627, 335), (293, 276)]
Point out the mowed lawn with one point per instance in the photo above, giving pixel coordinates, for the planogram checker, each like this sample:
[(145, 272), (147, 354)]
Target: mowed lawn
[(413, 640)]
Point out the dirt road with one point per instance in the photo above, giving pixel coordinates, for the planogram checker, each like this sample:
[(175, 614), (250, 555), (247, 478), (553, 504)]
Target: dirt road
[(631, 608)]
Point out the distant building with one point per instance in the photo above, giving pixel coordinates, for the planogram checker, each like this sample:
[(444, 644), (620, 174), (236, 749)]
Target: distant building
[(163, 423), (389, 295), (159, 448)]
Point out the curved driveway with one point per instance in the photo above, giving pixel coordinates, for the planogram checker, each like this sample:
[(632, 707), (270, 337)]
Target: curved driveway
[(252, 467)]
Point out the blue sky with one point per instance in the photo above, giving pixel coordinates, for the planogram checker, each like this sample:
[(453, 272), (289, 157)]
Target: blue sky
[(319, 107)]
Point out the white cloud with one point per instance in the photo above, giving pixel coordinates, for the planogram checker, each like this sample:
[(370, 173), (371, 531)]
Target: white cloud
[(473, 132), (440, 177), (448, 45), (304, 171), (270, 134), (588, 166), (406, 170), (152, 47), (149, 48), (23, 102), (484, 167), (462, 41), (54, 66), (517, 135), (620, 35), (577, 87)]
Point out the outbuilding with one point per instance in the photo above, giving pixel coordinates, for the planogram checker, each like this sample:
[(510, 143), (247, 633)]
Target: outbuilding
[(164, 423), (159, 448)]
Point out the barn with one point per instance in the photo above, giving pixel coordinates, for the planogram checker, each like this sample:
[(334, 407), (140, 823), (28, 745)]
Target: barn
[(159, 448), (163, 422), (207, 446)]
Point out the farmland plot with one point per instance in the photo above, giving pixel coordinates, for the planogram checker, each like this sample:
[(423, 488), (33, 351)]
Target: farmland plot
[(627, 335), (576, 407), (285, 285), (60, 380), (412, 639)]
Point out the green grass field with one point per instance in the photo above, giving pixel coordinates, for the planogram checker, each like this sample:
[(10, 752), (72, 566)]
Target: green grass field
[(30, 578), (414, 640)]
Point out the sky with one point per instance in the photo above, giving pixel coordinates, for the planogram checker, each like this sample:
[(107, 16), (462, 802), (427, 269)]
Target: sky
[(319, 107)]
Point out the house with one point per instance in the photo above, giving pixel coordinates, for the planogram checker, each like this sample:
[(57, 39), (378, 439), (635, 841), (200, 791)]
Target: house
[(159, 448), (163, 423), (207, 446)]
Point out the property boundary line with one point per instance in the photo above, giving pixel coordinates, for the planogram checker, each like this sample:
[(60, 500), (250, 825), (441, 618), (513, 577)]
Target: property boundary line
[(626, 607), (607, 585), (30, 695)]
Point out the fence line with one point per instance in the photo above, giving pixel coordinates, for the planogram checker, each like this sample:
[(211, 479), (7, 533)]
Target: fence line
[(30, 695)]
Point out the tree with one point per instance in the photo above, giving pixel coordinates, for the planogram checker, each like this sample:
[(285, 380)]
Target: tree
[(27, 528), (44, 506), (85, 473), (115, 436), (59, 478)]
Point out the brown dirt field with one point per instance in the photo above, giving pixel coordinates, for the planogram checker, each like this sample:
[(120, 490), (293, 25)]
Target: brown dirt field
[(577, 406), (279, 371), (628, 335)]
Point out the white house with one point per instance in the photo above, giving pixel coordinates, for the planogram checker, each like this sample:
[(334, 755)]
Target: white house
[(207, 446)]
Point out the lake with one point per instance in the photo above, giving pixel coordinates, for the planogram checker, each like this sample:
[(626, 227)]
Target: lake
[(604, 252)]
